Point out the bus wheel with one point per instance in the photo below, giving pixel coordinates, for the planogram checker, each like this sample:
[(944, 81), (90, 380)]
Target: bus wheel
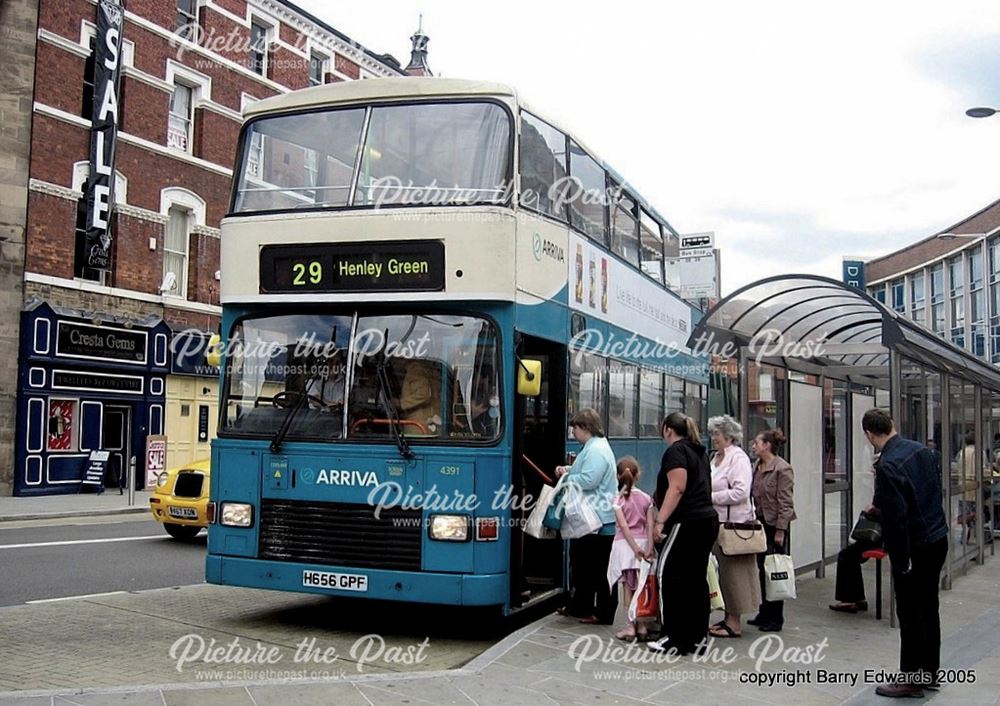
[(181, 531)]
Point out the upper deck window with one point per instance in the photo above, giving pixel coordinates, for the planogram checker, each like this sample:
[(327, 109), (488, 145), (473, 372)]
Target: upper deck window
[(587, 197), (424, 154), (431, 154), (299, 161), (543, 167)]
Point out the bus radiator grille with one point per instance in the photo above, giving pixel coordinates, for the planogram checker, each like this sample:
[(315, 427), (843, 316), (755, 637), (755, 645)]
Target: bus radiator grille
[(340, 534)]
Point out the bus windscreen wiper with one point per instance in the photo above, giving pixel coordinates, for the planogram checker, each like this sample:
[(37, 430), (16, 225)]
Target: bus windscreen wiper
[(286, 422), (383, 387)]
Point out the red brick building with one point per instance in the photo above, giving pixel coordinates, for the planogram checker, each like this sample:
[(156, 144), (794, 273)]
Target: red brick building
[(189, 69)]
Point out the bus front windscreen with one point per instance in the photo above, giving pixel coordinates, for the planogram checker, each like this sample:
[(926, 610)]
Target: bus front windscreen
[(428, 377), (417, 154)]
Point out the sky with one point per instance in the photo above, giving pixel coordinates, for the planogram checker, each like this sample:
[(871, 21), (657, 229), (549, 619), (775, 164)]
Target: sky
[(799, 132)]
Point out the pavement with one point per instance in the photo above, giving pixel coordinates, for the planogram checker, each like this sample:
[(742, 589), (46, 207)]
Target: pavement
[(143, 648), (14, 509)]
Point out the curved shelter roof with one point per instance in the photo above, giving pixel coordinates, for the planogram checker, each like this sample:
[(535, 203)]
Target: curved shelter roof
[(818, 325)]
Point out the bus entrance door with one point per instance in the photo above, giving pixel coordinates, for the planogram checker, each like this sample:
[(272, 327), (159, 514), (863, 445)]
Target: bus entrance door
[(538, 565)]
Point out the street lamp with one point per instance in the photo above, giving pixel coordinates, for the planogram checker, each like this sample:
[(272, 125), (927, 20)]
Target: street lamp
[(956, 236), (981, 112)]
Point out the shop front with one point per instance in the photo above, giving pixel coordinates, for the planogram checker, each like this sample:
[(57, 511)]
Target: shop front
[(86, 382)]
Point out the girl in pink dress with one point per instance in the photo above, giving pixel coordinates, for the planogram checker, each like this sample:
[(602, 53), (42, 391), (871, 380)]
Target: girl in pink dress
[(633, 512)]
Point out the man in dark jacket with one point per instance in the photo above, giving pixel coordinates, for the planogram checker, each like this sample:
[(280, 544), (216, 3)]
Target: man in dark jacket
[(915, 534)]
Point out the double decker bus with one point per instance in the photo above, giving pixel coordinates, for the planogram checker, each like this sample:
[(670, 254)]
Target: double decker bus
[(422, 280)]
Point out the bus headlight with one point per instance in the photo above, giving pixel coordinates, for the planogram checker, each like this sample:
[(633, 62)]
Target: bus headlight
[(237, 515), (450, 528), (161, 480)]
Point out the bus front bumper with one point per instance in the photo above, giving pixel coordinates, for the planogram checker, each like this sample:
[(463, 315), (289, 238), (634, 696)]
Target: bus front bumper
[(417, 587)]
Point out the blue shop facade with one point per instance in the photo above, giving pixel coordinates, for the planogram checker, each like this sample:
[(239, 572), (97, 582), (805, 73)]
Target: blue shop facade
[(86, 381)]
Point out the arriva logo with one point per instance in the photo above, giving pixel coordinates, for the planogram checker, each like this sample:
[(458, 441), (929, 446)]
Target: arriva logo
[(334, 477)]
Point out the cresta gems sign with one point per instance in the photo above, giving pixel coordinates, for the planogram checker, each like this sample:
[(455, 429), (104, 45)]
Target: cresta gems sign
[(103, 133)]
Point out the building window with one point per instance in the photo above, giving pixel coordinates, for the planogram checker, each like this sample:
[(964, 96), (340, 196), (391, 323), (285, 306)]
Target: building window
[(937, 299), (977, 303), (877, 293), (899, 296), (80, 269), (317, 62), (258, 48), (87, 106), (994, 246), (187, 19), (957, 286), (180, 122), (917, 299), (175, 252)]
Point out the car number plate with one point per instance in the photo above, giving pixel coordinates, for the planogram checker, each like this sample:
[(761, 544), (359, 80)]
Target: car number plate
[(187, 513), (342, 582)]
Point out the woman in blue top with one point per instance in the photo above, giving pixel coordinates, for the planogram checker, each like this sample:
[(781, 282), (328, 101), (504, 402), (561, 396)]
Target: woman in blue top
[(594, 472)]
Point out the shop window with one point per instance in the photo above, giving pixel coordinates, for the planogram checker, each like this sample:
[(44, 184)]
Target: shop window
[(62, 435)]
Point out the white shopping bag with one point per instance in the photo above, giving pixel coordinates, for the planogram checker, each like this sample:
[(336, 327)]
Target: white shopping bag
[(579, 518), (779, 577), (534, 527), (714, 592)]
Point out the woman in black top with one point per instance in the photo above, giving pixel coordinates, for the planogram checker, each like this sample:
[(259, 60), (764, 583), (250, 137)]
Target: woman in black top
[(686, 526)]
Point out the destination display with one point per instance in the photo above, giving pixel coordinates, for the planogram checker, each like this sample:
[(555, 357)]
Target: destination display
[(410, 265)]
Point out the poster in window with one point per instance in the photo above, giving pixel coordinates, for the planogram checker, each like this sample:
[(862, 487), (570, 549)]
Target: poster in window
[(62, 419)]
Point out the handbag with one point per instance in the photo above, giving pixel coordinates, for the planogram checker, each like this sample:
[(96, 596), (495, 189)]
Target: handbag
[(867, 530), (736, 538), (553, 515), (535, 526), (579, 518), (716, 602), (646, 599), (779, 577)]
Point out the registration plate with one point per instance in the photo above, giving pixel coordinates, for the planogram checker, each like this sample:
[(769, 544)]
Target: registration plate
[(342, 582), (186, 513)]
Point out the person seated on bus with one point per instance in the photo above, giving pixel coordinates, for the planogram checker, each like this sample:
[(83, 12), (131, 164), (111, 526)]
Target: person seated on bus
[(325, 387), (618, 424), (420, 397), (483, 414)]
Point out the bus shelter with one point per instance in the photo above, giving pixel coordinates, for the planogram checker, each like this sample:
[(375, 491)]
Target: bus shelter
[(813, 355)]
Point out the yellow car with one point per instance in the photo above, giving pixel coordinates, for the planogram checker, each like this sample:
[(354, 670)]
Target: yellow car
[(180, 500)]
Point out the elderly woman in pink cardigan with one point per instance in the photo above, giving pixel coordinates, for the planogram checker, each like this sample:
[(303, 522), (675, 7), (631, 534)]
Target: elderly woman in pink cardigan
[(732, 476)]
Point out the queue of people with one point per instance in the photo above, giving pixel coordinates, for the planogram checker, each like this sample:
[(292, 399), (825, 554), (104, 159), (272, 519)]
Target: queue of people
[(679, 527)]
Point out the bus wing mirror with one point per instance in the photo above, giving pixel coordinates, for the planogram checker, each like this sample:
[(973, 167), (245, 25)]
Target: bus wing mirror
[(529, 377), (213, 353)]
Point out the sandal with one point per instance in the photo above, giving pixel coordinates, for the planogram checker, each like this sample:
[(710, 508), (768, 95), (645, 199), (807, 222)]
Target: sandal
[(564, 611), (726, 631), (590, 620), (628, 634)]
